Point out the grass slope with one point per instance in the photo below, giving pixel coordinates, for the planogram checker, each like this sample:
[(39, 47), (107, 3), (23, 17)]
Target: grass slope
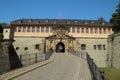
[(111, 73)]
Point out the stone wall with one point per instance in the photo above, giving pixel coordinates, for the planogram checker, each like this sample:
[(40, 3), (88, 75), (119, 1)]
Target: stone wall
[(27, 45), (114, 50), (4, 57), (99, 55)]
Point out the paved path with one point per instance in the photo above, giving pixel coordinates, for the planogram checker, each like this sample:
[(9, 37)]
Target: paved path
[(65, 67)]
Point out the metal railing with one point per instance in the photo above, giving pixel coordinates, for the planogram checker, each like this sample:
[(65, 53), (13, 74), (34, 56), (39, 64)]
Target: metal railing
[(95, 71), (96, 74), (14, 62)]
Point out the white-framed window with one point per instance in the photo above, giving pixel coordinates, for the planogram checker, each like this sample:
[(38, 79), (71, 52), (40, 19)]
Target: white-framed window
[(47, 29), (33, 29), (96, 30), (73, 29), (42, 29), (19, 29), (28, 29), (82, 30), (87, 30), (91, 30), (38, 29), (78, 30), (24, 29), (104, 30), (100, 30)]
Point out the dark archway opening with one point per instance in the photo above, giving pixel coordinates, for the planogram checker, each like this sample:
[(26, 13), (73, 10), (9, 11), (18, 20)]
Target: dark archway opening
[(60, 47)]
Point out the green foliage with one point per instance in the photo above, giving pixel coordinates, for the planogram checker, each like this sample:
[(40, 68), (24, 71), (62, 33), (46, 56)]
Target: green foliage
[(116, 19), (112, 73)]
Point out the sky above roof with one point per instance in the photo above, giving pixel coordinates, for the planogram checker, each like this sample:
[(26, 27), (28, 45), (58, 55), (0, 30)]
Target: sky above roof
[(56, 9)]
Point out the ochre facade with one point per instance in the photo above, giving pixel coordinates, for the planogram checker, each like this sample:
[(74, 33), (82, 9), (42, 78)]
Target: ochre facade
[(40, 35)]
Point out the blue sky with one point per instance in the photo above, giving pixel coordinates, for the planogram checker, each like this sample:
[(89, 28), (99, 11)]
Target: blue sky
[(66, 9)]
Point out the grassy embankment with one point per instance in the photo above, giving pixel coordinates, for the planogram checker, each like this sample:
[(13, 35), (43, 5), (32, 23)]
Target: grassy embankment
[(111, 73)]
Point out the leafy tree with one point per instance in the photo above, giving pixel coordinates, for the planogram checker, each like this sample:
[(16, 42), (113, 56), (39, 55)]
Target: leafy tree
[(115, 20)]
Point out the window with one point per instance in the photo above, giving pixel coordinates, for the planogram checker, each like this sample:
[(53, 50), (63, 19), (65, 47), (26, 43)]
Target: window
[(96, 30), (47, 29), (19, 29), (91, 22), (78, 30), (26, 48), (85, 22), (37, 22), (20, 21), (51, 30), (69, 29), (82, 30), (73, 29), (100, 30), (38, 29), (83, 47), (104, 48), (103, 23), (46, 21), (99, 47), (108, 30), (68, 22), (33, 29), (17, 48), (29, 21), (76, 21), (37, 46), (28, 29), (104, 30), (91, 30), (87, 30), (24, 29), (94, 47), (54, 22), (42, 29), (15, 29)]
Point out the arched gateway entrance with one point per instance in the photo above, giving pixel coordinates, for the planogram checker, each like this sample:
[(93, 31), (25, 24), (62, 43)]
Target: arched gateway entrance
[(60, 47)]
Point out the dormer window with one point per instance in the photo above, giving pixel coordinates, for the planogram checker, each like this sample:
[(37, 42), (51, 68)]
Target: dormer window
[(92, 22), (76, 21), (54, 22), (68, 22), (20, 21), (37, 22), (86, 22), (30, 21), (46, 21), (103, 23)]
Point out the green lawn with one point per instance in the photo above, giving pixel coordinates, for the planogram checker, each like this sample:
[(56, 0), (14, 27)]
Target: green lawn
[(111, 73)]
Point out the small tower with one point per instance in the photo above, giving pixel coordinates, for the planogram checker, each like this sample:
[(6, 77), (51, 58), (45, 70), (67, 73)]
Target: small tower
[(5, 43)]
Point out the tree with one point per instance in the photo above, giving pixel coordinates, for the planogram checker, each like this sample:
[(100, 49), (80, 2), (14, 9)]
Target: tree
[(115, 20), (1, 29)]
